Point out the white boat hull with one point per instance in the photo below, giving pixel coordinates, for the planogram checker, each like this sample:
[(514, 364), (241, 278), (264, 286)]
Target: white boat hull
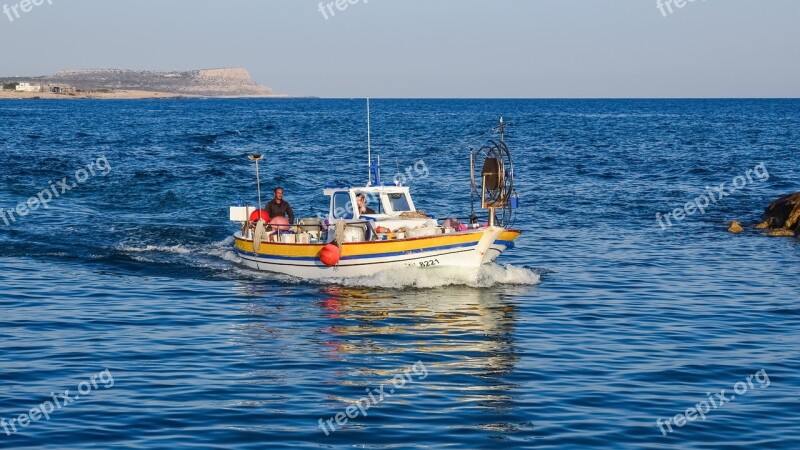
[(468, 249)]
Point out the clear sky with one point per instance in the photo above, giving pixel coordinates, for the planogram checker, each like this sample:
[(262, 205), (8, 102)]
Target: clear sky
[(429, 48)]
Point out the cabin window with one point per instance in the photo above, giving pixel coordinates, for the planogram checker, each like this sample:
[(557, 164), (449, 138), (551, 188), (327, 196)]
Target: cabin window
[(399, 203), (342, 207)]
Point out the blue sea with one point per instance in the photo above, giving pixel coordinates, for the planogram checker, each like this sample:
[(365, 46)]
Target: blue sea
[(605, 327)]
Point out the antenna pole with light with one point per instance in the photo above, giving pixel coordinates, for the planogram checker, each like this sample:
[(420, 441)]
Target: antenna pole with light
[(369, 148), (256, 157)]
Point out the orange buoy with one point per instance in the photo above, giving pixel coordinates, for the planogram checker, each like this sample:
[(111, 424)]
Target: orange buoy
[(330, 255), (259, 214)]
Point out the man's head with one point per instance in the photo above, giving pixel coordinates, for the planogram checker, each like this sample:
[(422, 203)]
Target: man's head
[(362, 202), (279, 193)]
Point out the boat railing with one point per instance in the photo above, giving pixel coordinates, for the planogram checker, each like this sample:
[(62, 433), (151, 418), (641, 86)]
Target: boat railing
[(322, 232)]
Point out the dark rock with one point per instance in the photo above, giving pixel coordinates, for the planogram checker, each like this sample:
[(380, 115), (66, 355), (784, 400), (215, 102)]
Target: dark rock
[(783, 214)]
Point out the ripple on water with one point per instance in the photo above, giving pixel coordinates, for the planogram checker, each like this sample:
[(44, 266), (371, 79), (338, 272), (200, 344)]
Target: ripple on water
[(597, 324)]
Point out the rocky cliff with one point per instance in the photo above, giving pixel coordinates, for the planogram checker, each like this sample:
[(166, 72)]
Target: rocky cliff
[(210, 82)]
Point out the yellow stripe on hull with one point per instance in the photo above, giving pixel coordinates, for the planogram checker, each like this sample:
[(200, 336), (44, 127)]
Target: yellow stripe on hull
[(509, 235), (359, 248), (370, 248)]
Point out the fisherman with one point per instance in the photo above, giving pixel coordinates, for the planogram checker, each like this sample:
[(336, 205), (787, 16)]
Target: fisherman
[(362, 205), (278, 207)]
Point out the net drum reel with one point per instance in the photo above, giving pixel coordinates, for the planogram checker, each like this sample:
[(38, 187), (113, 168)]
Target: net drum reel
[(495, 181)]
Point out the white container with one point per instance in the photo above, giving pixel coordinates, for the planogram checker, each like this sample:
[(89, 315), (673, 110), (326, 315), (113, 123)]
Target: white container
[(309, 225), (303, 238), (352, 233), (355, 233), (401, 235), (240, 213), (289, 239), (424, 232)]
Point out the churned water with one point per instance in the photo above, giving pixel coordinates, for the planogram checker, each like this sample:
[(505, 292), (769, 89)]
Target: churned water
[(600, 325)]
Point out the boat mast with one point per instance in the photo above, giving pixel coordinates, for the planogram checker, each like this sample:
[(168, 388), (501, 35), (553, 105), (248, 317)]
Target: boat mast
[(369, 149)]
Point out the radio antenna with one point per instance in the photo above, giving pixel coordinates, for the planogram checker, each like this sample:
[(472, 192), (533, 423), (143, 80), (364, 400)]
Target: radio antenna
[(369, 148)]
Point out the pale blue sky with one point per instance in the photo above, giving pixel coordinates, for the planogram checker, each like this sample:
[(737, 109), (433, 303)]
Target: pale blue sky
[(429, 48)]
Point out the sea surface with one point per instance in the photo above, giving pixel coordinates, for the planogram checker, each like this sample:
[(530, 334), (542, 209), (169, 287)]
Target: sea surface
[(601, 321)]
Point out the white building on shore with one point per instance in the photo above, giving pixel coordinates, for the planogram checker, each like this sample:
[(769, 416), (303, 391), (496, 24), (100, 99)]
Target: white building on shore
[(28, 87)]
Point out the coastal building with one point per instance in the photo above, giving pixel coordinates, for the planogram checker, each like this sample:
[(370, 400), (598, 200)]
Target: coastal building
[(28, 87), (59, 89)]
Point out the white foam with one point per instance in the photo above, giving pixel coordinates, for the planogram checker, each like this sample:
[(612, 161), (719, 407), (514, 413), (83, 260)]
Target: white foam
[(426, 278), (176, 249), (223, 250), (216, 256)]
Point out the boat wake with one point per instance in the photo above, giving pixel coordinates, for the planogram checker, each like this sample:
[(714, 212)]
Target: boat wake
[(487, 276), (217, 257)]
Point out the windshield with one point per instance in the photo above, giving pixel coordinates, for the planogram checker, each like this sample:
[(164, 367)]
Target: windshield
[(342, 206), (399, 202)]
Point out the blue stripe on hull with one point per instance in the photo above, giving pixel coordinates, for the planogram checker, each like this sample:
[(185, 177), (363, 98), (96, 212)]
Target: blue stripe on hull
[(358, 257), (507, 244), (319, 265)]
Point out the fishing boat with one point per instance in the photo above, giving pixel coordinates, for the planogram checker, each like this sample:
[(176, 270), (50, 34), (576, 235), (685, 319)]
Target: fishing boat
[(345, 242)]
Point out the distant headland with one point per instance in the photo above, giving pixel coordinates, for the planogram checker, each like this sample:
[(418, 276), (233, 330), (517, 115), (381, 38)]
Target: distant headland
[(136, 84)]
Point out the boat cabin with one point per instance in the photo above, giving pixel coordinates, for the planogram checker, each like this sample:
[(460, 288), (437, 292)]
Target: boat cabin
[(387, 202), (395, 215)]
